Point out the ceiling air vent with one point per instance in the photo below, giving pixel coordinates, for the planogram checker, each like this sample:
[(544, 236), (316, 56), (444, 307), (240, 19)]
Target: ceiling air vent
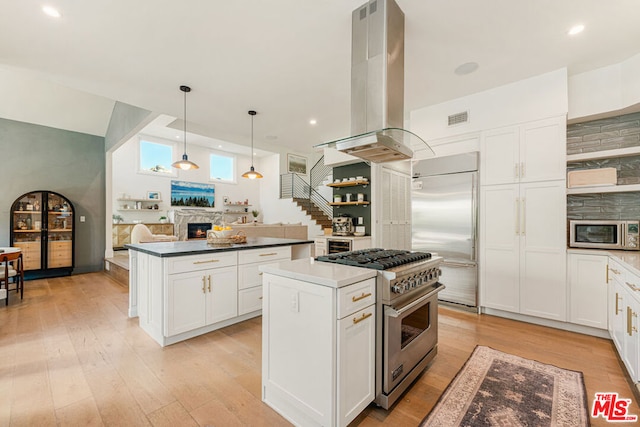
[(458, 118)]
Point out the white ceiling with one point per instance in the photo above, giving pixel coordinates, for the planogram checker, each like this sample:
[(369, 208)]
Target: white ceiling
[(287, 59)]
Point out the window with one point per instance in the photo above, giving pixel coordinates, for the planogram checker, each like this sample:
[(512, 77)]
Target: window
[(156, 157), (222, 168)]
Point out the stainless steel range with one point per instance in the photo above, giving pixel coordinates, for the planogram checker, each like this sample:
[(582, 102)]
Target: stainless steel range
[(407, 314)]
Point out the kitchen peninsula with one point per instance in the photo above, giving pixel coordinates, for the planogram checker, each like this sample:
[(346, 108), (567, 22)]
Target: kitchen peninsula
[(180, 290)]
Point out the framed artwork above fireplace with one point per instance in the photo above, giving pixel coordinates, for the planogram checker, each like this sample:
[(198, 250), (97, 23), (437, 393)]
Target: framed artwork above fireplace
[(192, 194)]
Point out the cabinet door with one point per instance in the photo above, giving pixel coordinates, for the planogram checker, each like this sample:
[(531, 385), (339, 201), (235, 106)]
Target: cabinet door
[(500, 161), (617, 315), (222, 294), (543, 150), (631, 338), (499, 238), (356, 364), (543, 262), (186, 297), (395, 210), (588, 290), (249, 300)]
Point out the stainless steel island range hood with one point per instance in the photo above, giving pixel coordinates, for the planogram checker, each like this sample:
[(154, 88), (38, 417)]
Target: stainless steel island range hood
[(377, 87)]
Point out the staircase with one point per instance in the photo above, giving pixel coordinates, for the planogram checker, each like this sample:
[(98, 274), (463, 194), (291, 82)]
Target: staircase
[(304, 194), (314, 212)]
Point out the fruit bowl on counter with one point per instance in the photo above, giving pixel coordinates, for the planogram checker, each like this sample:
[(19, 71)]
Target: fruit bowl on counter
[(223, 236)]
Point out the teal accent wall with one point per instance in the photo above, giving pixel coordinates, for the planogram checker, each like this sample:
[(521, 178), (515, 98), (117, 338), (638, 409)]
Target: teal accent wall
[(36, 158), (125, 118)]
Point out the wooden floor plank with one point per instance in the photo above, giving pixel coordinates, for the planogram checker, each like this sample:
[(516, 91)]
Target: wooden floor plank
[(71, 356)]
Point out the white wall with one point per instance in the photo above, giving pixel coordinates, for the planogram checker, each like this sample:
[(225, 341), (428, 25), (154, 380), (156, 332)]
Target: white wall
[(280, 210), (127, 179), (526, 100), (606, 89)]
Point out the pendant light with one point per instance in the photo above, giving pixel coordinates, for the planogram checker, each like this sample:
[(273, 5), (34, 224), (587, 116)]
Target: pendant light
[(185, 164), (252, 173)]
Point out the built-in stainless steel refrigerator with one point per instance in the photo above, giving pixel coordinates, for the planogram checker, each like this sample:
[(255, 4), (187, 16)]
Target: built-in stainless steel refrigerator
[(444, 217)]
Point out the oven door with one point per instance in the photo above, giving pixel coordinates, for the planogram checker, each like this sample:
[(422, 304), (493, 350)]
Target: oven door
[(335, 246), (410, 333)]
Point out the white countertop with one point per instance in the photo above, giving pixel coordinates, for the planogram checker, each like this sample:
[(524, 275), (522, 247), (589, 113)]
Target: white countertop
[(630, 259), (321, 273)]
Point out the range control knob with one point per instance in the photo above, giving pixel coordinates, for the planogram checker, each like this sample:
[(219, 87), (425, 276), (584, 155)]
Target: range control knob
[(397, 289)]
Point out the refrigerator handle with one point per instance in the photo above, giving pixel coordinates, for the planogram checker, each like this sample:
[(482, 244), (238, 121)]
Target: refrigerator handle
[(474, 217)]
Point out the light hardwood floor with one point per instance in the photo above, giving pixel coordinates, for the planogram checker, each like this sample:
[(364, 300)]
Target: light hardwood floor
[(70, 356)]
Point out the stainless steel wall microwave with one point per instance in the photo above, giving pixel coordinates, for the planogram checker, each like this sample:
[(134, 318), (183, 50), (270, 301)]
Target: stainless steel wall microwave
[(604, 234)]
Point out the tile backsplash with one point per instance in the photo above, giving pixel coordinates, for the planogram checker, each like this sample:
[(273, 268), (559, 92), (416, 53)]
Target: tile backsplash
[(606, 134)]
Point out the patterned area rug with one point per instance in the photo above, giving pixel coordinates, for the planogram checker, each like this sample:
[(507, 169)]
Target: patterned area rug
[(500, 389)]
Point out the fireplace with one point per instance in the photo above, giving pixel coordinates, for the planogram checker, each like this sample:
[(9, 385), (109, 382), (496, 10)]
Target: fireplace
[(198, 230)]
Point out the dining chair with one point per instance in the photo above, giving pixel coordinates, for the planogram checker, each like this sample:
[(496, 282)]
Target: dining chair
[(11, 269)]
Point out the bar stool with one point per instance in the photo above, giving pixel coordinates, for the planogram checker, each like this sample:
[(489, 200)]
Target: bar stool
[(11, 267)]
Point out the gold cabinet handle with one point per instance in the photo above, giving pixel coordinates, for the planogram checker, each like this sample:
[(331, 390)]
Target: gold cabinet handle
[(206, 262), (209, 277), (614, 270), (361, 318), (260, 274), (618, 298), (632, 286), (269, 254), (608, 276), (629, 321), (363, 296), (204, 284)]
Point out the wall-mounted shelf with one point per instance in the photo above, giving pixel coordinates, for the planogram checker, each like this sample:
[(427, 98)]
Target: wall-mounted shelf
[(236, 204), (140, 200), (604, 189), (348, 203), (349, 183), (604, 154), (139, 210)]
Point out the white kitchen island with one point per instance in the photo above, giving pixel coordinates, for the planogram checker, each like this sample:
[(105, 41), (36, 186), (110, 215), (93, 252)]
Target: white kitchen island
[(180, 290), (318, 341)]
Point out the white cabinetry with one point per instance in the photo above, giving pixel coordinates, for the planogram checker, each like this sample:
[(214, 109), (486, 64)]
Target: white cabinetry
[(588, 289), (394, 224), (318, 350), (199, 295), (523, 220), (624, 310), (250, 278), (529, 152)]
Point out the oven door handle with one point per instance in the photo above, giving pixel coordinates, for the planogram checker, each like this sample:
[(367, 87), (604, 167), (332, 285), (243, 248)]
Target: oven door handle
[(392, 312)]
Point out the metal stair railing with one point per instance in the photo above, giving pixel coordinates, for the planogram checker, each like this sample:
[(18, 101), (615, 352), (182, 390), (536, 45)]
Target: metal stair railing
[(319, 172), (292, 186)]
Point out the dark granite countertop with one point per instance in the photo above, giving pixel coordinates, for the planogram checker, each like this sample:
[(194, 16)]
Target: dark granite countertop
[(194, 247)]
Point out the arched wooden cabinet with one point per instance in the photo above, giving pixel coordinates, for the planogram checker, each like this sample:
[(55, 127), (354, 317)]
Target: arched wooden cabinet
[(43, 227)]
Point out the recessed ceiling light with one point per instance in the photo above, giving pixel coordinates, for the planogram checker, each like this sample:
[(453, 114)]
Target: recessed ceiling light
[(576, 29), (51, 11), (219, 145), (313, 121), (466, 68)]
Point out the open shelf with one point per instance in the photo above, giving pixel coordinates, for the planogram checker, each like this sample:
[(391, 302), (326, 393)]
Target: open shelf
[(604, 189), (348, 183), (348, 203), (604, 154)]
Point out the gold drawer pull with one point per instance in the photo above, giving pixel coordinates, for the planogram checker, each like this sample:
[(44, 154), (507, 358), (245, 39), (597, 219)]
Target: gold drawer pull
[(204, 284), (209, 278), (617, 299), (361, 318), (269, 254), (206, 262), (632, 286), (260, 274), (363, 296), (614, 270)]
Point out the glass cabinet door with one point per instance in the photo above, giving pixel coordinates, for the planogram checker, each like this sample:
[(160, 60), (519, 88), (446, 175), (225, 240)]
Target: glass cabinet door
[(59, 232), (27, 229)]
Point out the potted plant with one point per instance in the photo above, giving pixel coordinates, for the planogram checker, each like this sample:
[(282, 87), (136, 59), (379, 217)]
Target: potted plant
[(163, 219), (255, 214), (117, 218)]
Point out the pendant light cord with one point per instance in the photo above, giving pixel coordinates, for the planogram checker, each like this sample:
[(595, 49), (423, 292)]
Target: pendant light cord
[(184, 137)]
